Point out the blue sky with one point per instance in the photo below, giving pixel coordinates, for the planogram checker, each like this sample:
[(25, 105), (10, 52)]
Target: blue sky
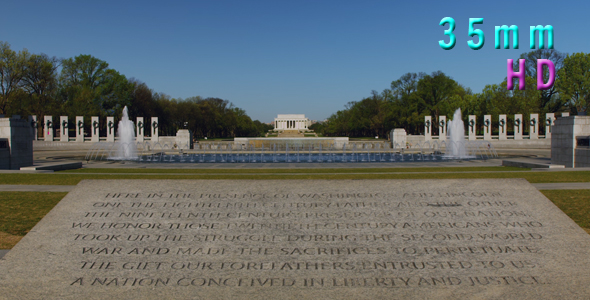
[(271, 57)]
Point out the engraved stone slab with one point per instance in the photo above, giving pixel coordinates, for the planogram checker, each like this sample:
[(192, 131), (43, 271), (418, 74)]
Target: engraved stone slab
[(301, 239)]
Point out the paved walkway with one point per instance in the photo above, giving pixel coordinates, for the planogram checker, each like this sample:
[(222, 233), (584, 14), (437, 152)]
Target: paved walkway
[(563, 186)]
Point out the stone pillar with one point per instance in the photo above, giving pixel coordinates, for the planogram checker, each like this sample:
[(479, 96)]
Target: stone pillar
[(442, 128), (16, 143), (399, 138), (549, 120), (534, 127), (48, 128), (139, 132), (471, 127), (566, 146), (502, 126), (184, 139), (565, 114), (518, 127), (427, 128), (487, 127), (64, 135), (95, 130), (155, 124), (33, 122), (111, 129), (79, 129)]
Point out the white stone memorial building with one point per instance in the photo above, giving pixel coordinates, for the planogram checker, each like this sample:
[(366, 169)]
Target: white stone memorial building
[(291, 122)]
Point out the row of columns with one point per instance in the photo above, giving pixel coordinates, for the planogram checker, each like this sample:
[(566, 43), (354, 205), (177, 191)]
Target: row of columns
[(291, 124), (534, 124), (48, 129)]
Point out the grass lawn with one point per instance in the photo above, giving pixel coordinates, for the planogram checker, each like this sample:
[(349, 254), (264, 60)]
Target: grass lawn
[(73, 177), (20, 211), (574, 203)]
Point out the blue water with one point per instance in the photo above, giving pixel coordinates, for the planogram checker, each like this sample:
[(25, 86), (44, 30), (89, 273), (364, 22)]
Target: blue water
[(288, 158)]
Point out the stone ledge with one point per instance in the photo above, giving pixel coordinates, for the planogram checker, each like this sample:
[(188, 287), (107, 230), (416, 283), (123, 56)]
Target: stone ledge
[(532, 165), (54, 166)]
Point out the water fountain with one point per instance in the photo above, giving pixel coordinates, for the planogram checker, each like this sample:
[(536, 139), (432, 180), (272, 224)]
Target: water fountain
[(455, 148), (125, 146)]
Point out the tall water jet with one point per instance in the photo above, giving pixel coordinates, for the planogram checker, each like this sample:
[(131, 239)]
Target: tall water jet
[(125, 146), (456, 137)]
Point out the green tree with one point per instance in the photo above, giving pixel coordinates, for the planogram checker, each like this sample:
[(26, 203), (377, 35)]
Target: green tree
[(549, 100), (40, 83), (573, 82), (142, 100), (12, 70), (89, 87), (436, 93), (405, 100)]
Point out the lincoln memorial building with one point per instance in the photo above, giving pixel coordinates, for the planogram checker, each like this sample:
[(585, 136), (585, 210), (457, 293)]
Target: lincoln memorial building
[(291, 122)]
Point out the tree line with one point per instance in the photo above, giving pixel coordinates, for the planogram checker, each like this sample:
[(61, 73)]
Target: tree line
[(415, 95), (36, 84)]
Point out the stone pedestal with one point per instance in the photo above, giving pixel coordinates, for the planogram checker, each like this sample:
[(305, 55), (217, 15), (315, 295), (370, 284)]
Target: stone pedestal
[(569, 142), (48, 128), (471, 128), (399, 138), (63, 129), (502, 126), (565, 114), (487, 127), (534, 127), (16, 143), (79, 129), (518, 127), (139, 132), (549, 121), (427, 128), (184, 139), (442, 128), (33, 121), (95, 130), (111, 129), (154, 128)]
